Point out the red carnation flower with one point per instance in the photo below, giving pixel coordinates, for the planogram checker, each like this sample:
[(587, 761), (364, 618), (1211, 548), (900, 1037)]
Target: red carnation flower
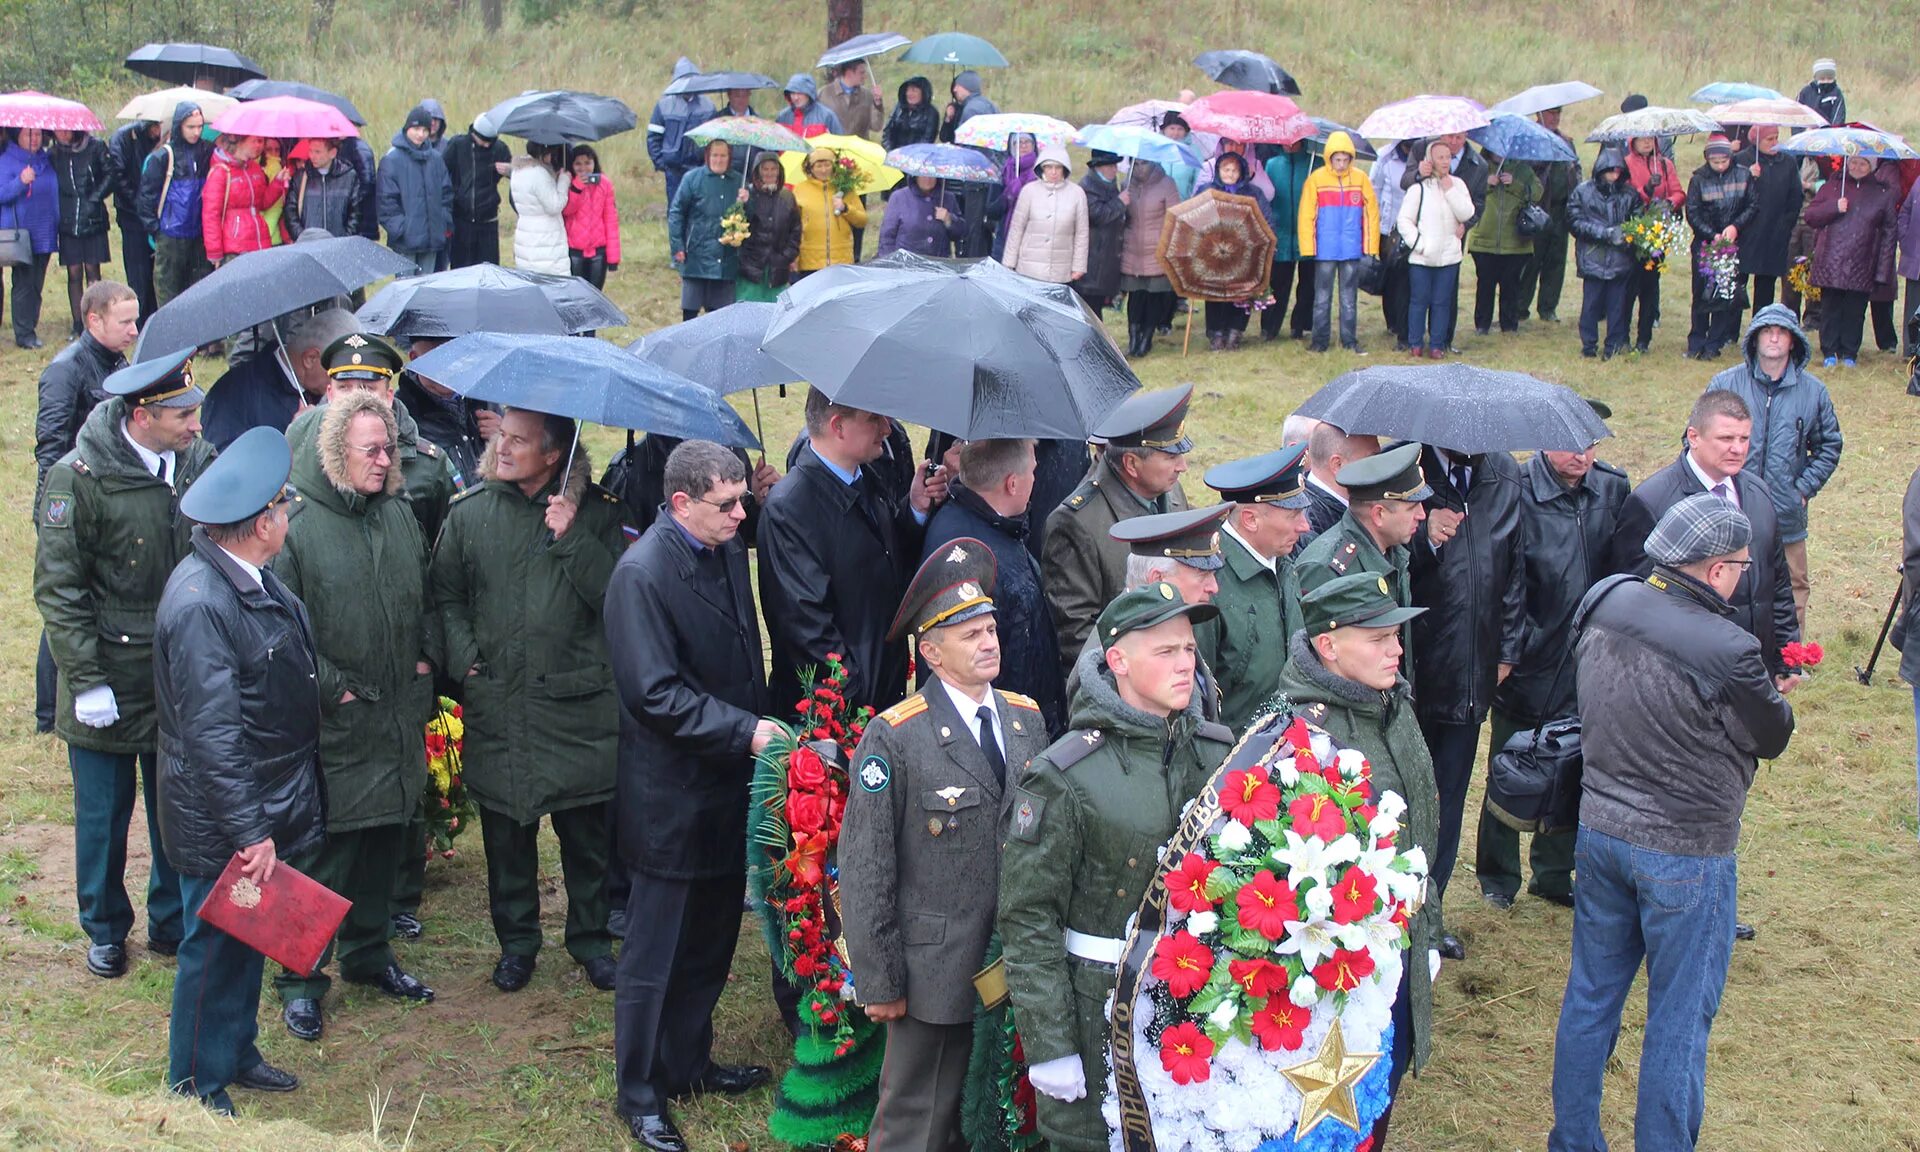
[(1258, 977), (1266, 904), (436, 745), (1280, 1024), (1317, 815), (1182, 962), (1186, 1054), (1343, 971), (1354, 895), (1187, 884), (1249, 795)]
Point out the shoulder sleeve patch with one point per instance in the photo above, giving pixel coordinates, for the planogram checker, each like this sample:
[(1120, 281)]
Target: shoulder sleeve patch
[(1074, 747), (1019, 701), (1028, 814), (874, 774), (56, 510), (905, 710)]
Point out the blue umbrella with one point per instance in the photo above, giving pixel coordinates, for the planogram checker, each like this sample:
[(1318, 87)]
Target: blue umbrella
[(1728, 91), (585, 379), (1850, 142), (1323, 128), (955, 49), (1139, 142), (945, 162), (720, 350), (702, 82), (1518, 138)]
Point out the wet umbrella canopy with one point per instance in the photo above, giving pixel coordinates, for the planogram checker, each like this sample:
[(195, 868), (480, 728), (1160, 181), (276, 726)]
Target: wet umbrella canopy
[(719, 349), (1542, 97), (562, 117), (1517, 138), (954, 49), (1459, 407), (265, 89), (186, 63), (1217, 247), (1238, 68), (1651, 121), (702, 82), (860, 48), (489, 298)]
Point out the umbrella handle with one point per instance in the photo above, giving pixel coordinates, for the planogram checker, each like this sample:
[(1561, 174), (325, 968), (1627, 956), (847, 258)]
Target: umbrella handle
[(759, 429)]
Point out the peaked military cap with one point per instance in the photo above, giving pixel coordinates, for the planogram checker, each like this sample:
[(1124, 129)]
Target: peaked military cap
[(1145, 606), (1191, 536), (955, 584), (163, 383), (1361, 600), (1150, 420), (358, 356), (245, 480), (1277, 478), (1394, 474)]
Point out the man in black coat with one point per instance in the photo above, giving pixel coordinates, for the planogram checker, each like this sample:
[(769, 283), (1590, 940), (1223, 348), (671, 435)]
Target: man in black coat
[(837, 549), (1330, 449), (447, 420), (476, 161), (1569, 506), (991, 504), (128, 148), (1466, 570), (686, 658)]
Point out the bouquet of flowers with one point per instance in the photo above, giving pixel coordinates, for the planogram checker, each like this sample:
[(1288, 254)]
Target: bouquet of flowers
[(734, 226), (1800, 658), (1655, 233), (1287, 907), (1800, 279), (1254, 307), (845, 177), (1720, 266), (445, 804)]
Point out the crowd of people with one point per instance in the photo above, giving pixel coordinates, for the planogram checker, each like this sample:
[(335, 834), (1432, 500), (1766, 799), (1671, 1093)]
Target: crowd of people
[(235, 635)]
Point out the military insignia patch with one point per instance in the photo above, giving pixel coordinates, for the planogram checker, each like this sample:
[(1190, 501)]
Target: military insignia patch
[(59, 512), (957, 555), (874, 774), (1384, 590), (934, 827), (1028, 812)]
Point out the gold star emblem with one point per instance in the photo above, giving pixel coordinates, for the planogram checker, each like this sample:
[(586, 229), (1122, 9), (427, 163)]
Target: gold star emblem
[(1326, 1083)]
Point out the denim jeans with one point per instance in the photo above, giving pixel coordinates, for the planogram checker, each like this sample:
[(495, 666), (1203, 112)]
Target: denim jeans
[(1916, 728), (1677, 913), (424, 263), (1324, 272), (1603, 299), (1433, 299)]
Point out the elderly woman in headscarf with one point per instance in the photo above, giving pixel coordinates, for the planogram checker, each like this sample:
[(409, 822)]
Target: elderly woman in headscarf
[(827, 218), (1016, 172), (1227, 319), (707, 267), (1853, 217), (773, 237), (1047, 230)]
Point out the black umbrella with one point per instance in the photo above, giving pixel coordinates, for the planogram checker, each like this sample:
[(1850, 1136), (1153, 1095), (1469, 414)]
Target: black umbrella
[(721, 350), (562, 117), (489, 298), (186, 63), (975, 351), (1323, 127), (1238, 68), (263, 89), (703, 82), (260, 286), (1460, 408), (860, 48)]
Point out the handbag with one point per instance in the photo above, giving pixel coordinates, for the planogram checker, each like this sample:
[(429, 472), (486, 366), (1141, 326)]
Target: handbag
[(1374, 270), (1533, 220), (16, 247)]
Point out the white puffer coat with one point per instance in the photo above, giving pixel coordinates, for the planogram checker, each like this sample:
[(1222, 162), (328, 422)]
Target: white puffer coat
[(540, 234)]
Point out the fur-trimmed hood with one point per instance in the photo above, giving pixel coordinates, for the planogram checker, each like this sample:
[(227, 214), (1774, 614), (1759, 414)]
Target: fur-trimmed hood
[(576, 482), (330, 442)]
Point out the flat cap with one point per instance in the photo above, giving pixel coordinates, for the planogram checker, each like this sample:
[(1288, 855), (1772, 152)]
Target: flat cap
[(1700, 527), (243, 481), (1275, 478), (1191, 536), (163, 383), (1394, 474), (953, 585), (1150, 420), (1144, 607), (1360, 600)]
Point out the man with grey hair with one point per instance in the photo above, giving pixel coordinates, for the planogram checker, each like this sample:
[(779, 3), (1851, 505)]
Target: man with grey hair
[(1329, 449), (277, 382), (685, 646), (1665, 678)]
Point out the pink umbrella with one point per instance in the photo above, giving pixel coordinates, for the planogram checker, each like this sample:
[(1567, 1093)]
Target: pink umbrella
[(1423, 116), (286, 117), (1147, 112), (1253, 117), (39, 110)]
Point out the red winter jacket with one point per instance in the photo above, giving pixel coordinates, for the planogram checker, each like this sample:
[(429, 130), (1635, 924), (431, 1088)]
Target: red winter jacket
[(592, 220), (230, 206), (1640, 173)]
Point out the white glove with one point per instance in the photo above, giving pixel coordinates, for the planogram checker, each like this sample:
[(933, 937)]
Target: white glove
[(1433, 964), (1063, 1079), (96, 707)]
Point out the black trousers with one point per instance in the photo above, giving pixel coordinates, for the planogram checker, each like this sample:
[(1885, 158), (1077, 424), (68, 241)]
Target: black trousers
[(1396, 293), (1843, 316), (1226, 316), (1764, 290), (474, 243), (1498, 273), (592, 269), (1886, 334), (28, 281), (136, 264), (1603, 299), (1712, 328), (1643, 292), (1292, 280), (1452, 747), (681, 936), (1545, 273)]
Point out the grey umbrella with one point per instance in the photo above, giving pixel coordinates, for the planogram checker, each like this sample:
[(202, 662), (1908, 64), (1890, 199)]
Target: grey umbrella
[(861, 48), (1238, 68), (259, 286), (489, 298), (562, 117), (702, 82), (263, 89), (1460, 408), (720, 349), (1542, 97), (187, 63)]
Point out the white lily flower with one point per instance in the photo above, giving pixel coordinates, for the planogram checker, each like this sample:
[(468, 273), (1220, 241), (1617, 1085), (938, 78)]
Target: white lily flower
[(1319, 902), (1321, 745), (1312, 940), (1286, 773), (1382, 934), (1304, 993), (1222, 1016), (1391, 805), (1377, 862), (1234, 837), (1201, 923), (1313, 859), (1353, 937), (1417, 860), (1349, 760), (1382, 826)]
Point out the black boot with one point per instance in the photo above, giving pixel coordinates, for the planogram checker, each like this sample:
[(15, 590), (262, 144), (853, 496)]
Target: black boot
[(1146, 339), (1133, 342)]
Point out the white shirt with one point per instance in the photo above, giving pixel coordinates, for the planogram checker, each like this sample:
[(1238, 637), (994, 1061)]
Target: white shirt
[(969, 710), (252, 570), (148, 456), (1327, 488), (1732, 489), (1267, 561)]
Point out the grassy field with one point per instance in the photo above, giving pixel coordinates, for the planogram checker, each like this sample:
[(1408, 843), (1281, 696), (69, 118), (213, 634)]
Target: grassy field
[(1816, 1046)]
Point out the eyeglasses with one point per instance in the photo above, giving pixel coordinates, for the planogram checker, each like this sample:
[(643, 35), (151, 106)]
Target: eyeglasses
[(1743, 565), (374, 451), (726, 507)]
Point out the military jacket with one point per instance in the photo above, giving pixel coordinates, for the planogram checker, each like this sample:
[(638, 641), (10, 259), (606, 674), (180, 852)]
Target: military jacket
[(1246, 645), (1348, 548), (1083, 567)]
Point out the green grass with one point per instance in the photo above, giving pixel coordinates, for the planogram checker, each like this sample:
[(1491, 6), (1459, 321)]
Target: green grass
[(1816, 1045)]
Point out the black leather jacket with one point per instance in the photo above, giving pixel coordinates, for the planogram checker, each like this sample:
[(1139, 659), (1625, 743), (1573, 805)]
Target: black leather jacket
[(1472, 587), (70, 389), (239, 714)]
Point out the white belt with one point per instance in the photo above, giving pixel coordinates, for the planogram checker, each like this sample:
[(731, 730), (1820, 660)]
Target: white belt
[(1099, 949)]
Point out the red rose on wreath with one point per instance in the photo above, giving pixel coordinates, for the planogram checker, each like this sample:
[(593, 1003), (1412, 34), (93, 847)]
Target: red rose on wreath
[(1182, 962), (1266, 904), (805, 769), (806, 812), (1187, 886), (1186, 1053)]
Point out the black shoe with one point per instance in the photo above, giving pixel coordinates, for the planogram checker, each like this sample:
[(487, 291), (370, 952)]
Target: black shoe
[(30, 343), (599, 972), (1499, 900), (303, 1019), (729, 1079), (220, 1104), (164, 947), (1564, 899), (1549, 317), (107, 961), (657, 1133), (1642, 349), (1316, 347), (264, 1077), (1353, 349), (512, 973), (406, 926), (399, 985), (1451, 948), (1479, 331), (1589, 352), (1743, 931)]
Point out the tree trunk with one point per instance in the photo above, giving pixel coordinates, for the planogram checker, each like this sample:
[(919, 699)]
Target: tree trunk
[(844, 19), (490, 14)]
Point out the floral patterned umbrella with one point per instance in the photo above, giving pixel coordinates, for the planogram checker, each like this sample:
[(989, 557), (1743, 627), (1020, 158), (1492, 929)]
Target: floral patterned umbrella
[(1651, 121), (1850, 142), (1250, 117), (1780, 113), (1217, 247), (38, 110), (994, 129), (944, 162), (1422, 116), (748, 132), (1148, 112)]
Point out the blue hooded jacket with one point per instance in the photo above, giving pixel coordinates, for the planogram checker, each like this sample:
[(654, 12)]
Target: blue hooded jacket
[(816, 114), (673, 116), (171, 178), (415, 197), (1796, 434)]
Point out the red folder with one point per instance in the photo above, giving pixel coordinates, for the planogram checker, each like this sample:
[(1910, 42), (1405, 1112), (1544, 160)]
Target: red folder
[(290, 919)]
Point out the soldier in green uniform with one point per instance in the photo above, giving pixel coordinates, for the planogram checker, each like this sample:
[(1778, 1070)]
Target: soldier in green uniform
[(1138, 475), (1383, 513), (1082, 841), (1343, 675), (920, 850), (1259, 597), (110, 533), (519, 576)]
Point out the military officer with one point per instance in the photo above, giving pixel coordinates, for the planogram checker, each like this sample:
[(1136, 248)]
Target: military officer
[(1259, 596), (1138, 474), (1383, 513), (1083, 838), (110, 534), (920, 849)]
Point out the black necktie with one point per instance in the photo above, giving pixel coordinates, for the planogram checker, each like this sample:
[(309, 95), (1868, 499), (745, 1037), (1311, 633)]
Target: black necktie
[(991, 746), (162, 472), (1460, 478)]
